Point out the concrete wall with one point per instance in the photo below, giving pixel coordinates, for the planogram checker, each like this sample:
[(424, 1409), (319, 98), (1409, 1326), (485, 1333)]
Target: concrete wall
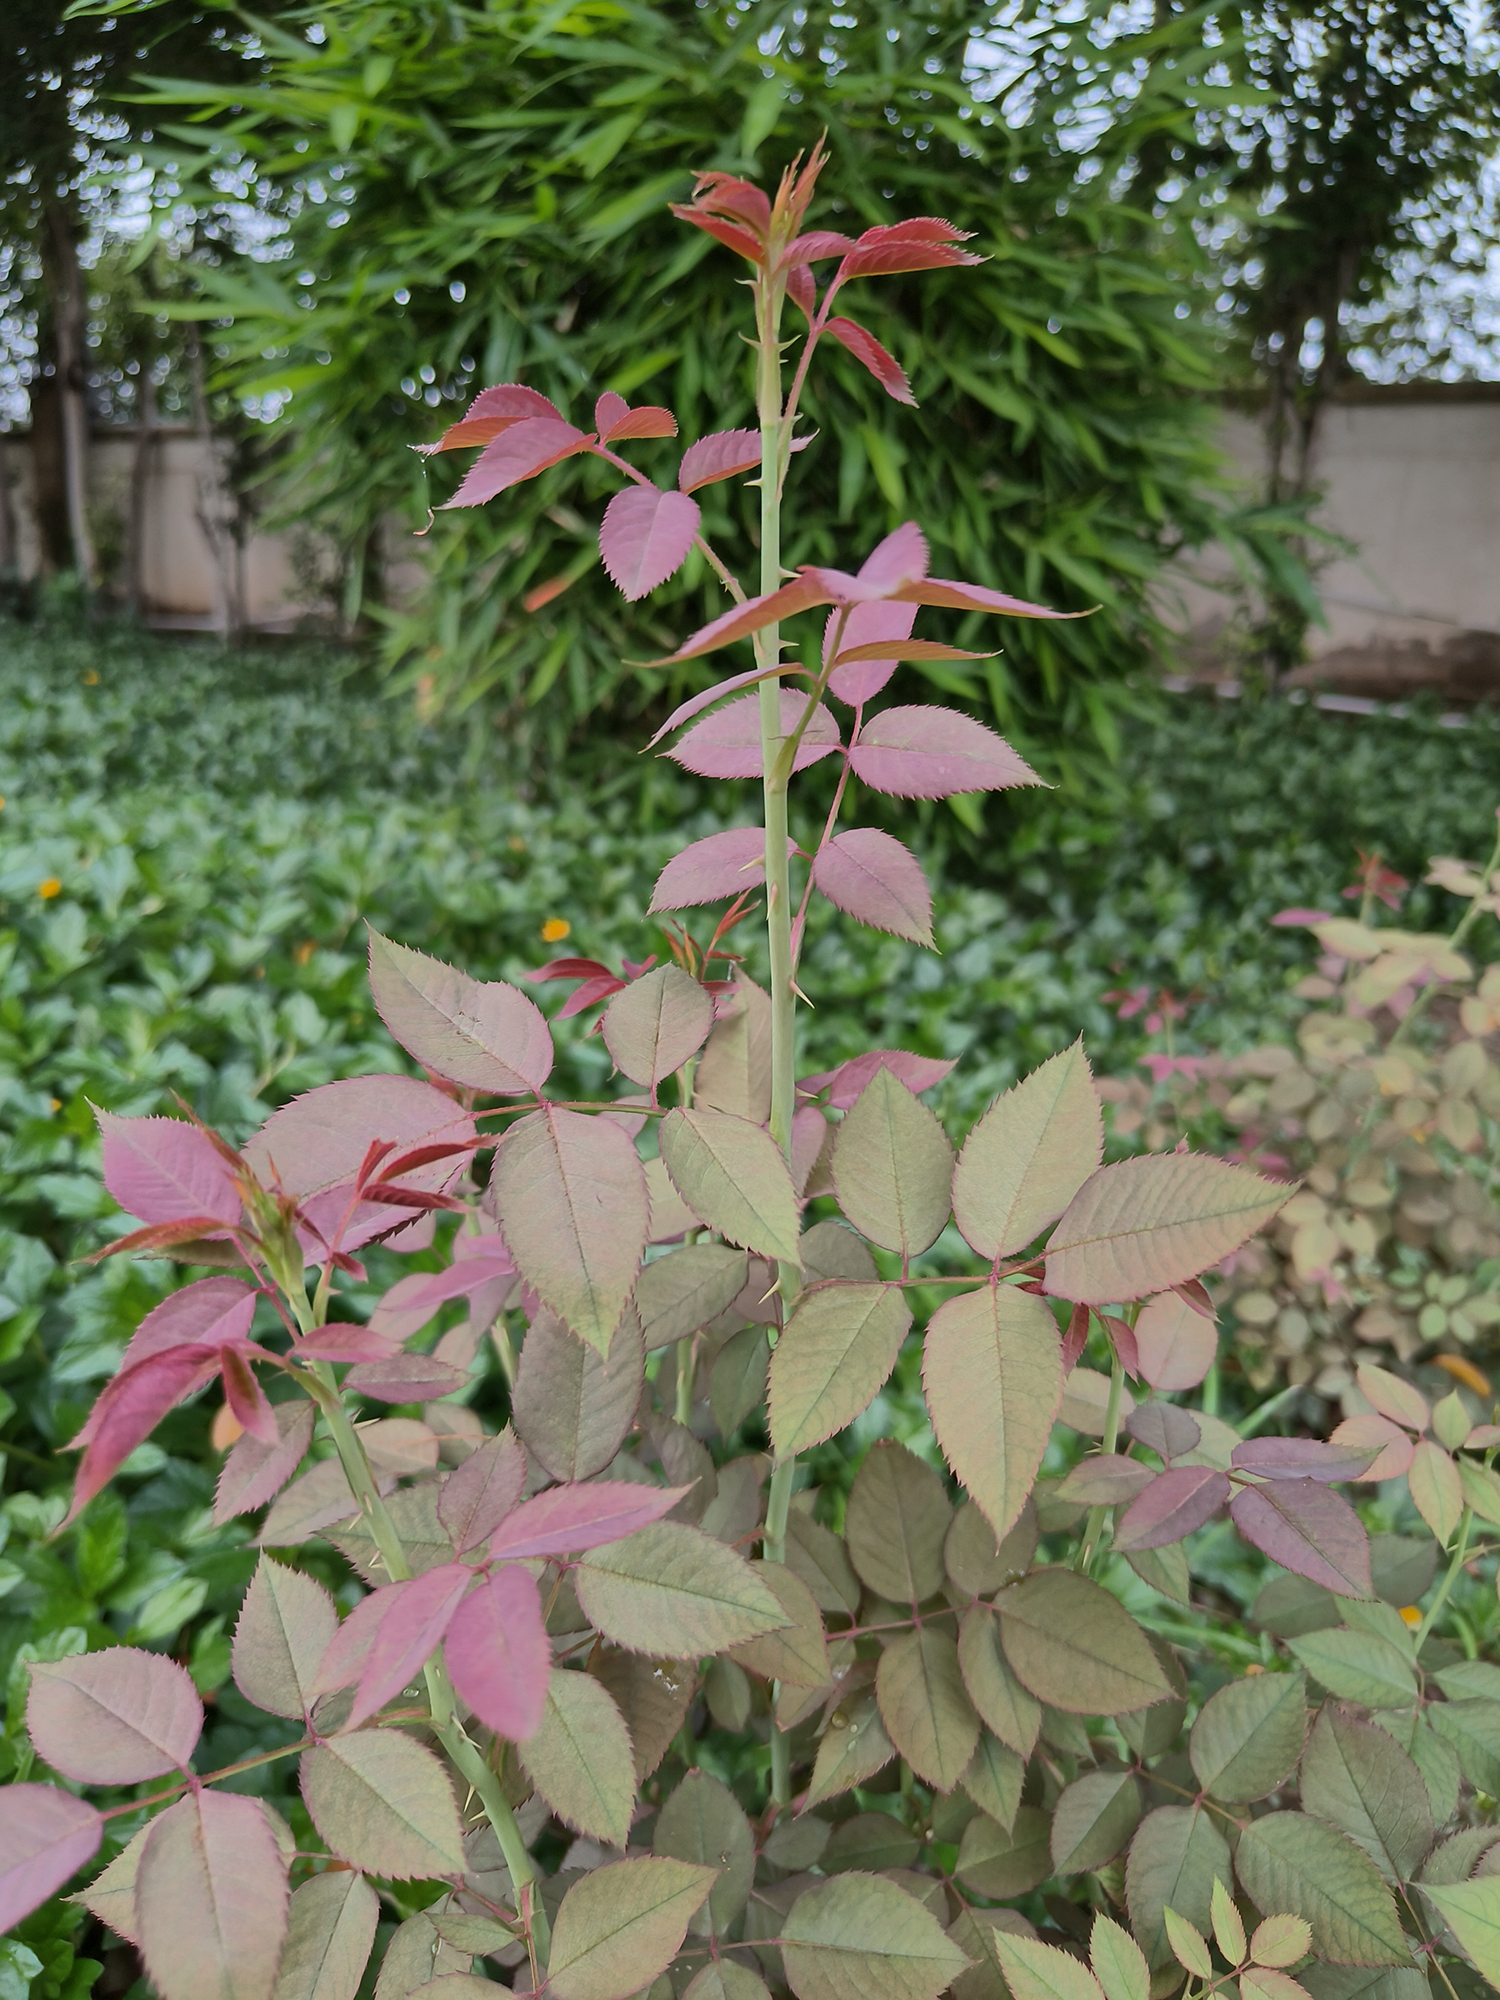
[(1411, 477)]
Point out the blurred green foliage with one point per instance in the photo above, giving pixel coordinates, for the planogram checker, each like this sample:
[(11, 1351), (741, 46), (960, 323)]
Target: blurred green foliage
[(472, 195)]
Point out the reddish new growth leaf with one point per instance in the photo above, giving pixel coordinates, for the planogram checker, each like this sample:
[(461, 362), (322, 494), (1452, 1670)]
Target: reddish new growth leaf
[(617, 423), (476, 1498), (598, 982), (46, 1835), (874, 878), (866, 349), (568, 1520), (896, 573), (519, 453), (933, 753), (165, 1170), (727, 743), (720, 455), (114, 1718), (499, 1656), (1303, 1458), (414, 1617), (845, 1084), (723, 864), (492, 412), (1171, 1507), (1307, 1528), (645, 538)]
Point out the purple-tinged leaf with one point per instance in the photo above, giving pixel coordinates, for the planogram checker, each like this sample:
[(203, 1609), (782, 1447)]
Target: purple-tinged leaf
[(1392, 1397), (320, 1140), (720, 455), (645, 537), (897, 559), (165, 1170), (475, 1499), (132, 1405), (873, 877), (346, 1340), (1303, 1458), (246, 1398), (846, 1084), (1171, 1507), (211, 1313), (485, 1034), (866, 349), (708, 697), (313, 1503), (1164, 1429), (815, 245), (46, 1835), (1307, 1528), (860, 672), (727, 743), (424, 1291), (1174, 1343), (741, 620), (571, 1196), (254, 1472), (114, 1718), (942, 591), (211, 1899), (405, 1378), (417, 1615), (1106, 1481), (344, 1659), (521, 452), (566, 1520), (723, 864), (933, 753), (923, 243), (491, 412), (499, 1656), (617, 423)]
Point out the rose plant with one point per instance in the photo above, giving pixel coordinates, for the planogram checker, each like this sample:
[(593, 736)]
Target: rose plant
[(630, 1710)]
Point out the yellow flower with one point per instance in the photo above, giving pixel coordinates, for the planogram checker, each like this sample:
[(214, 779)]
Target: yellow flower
[(1411, 1614), (48, 889), (555, 930), (91, 679)]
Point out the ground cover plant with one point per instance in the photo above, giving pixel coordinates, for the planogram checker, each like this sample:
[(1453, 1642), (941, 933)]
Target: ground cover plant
[(613, 1702)]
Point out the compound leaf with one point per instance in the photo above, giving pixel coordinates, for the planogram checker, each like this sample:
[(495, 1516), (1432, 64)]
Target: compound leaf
[(1290, 1861)]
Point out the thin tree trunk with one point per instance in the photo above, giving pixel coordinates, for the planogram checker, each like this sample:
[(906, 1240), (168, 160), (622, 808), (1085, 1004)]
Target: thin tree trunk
[(69, 315), (140, 489), (10, 552)]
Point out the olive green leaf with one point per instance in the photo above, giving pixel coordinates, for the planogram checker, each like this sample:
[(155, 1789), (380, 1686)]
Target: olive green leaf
[(1012, 1711), (798, 1652), (994, 1778), (723, 1979), (733, 1175), (1358, 1666), (1176, 1857), (737, 1380), (895, 1524), (383, 1803), (677, 1294), (833, 1357), (621, 1925), (862, 1934), (1093, 1820), (656, 1023), (1471, 1910), (670, 1585), (1189, 1946), (1076, 1647), (926, 1711), (854, 1747), (893, 1167), (702, 1822), (285, 1625), (580, 1759), (572, 1410), (1290, 1861), (1037, 1971), (992, 1372), (330, 1929), (652, 1695), (1000, 1864), (1472, 1728), (1358, 1777), (817, 1555), (1280, 1940), (1028, 1156), (1229, 1925), (1249, 1735), (1118, 1963)]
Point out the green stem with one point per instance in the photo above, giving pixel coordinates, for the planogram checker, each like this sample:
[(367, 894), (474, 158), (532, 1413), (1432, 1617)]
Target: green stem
[(1106, 1445), (463, 1753), (684, 1409), (1460, 1557)]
